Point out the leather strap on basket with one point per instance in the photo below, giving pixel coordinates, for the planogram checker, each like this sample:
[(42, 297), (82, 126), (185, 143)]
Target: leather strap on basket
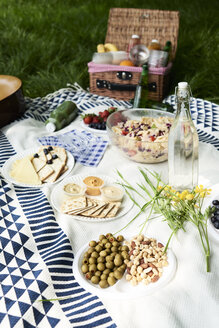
[(103, 84)]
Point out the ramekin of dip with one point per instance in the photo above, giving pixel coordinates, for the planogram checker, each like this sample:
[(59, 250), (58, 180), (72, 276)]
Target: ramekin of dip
[(112, 193), (74, 190), (93, 185)]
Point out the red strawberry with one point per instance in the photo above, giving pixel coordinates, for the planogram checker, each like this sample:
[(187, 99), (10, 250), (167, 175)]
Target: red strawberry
[(105, 119), (101, 114), (87, 119), (106, 113), (112, 109), (95, 119)]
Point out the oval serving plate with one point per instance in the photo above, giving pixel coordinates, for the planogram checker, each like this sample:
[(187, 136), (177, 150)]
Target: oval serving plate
[(123, 289), (8, 164), (57, 197)]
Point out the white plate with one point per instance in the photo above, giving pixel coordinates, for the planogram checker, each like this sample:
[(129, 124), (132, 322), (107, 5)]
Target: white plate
[(212, 231), (123, 288), (58, 195), (8, 164), (96, 111)]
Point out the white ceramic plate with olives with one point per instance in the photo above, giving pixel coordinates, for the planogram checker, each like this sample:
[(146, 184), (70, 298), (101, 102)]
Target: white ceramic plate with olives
[(123, 289)]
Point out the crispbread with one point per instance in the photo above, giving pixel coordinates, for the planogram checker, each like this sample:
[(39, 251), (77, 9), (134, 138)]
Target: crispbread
[(61, 153), (57, 167), (45, 172), (38, 164), (106, 210), (114, 210), (74, 204)]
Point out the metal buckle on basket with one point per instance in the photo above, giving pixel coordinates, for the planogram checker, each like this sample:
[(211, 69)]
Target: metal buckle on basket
[(152, 86), (124, 75), (102, 84)]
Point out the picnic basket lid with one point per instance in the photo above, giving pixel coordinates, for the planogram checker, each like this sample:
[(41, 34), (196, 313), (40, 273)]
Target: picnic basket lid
[(162, 25)]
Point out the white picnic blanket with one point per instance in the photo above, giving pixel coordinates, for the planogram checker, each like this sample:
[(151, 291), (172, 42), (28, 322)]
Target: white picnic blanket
[(190, 299)]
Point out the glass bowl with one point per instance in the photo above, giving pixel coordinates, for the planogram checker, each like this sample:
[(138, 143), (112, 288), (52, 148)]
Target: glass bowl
[(143, 143)]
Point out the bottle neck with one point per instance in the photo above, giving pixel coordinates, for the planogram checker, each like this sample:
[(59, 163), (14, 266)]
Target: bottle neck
[(183, 109)]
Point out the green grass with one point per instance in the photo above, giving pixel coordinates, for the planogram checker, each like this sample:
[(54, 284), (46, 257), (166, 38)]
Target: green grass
[(48, 43)]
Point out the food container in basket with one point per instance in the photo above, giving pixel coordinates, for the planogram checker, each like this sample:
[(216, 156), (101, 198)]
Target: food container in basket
[(120, 82)]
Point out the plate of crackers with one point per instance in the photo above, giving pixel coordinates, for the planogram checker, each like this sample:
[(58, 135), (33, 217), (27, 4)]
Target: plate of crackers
[(39, 166), (89, 202)]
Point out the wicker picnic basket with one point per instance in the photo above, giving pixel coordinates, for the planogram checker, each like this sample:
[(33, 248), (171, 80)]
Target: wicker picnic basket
[(120, 82)]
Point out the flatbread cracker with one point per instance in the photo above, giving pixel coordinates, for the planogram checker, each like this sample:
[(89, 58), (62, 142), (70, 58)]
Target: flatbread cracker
[(38, 164), (45, 172), (57, 166), (74, 204)]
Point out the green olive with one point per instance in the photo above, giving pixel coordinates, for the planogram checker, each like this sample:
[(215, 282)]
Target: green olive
[(108, 235), (111, 281), (98, 273), (85, 261), (115, 243), (92, 268), (109, 265), (86, 255), (89, 275), (120, 238), (92, 243), (125, 255), (92, 260), (125, 248), (108, 251), (101, 237), (84, 268), (118, 261), (106, 271), (95, 254), (98, 248), (90, 250), (104, 276), (114, 254), (104, 241), (101, 266), (103, 284), (103, 253), (95, 280), (111, 274), (112, 239), (108, 245), (118, 274), (114, 249), (109, 258), (100, 259)]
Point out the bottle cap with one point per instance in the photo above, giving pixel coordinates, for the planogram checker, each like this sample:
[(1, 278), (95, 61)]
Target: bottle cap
[(182, 85), (135, 36), (50, 127)]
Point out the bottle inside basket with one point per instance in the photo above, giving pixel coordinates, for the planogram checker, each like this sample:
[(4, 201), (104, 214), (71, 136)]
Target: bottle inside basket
[(154, 45), (135, 40), (168, 49), (183, 144), (61, 116), (141, 93)]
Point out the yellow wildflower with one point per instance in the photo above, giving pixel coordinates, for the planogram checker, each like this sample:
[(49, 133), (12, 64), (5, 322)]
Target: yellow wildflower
[(190, 197)]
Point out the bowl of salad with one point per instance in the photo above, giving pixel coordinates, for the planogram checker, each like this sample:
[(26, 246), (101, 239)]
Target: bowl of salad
[(141, 134)]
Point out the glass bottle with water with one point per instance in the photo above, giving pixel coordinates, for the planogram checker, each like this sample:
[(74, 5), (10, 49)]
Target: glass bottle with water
[(183, 143)]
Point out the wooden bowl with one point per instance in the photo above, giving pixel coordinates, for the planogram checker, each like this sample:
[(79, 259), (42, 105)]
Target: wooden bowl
[(11, 99)]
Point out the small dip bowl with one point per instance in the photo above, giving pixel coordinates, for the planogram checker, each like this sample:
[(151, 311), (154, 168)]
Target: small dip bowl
[(93, 185), (74, 190), (112, 193)]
